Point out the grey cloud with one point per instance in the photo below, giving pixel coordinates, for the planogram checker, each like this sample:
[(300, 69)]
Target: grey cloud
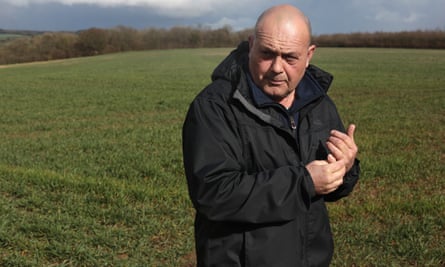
[(327, 16)]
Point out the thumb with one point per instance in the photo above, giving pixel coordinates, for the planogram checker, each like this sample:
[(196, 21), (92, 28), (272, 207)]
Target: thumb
[(351, 130), (317, 163), (331, 158)]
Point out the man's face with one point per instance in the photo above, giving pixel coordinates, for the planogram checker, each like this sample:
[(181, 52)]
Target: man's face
[(277, 62)]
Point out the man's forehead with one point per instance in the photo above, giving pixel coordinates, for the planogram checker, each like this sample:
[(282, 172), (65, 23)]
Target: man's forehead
[(282, 43)]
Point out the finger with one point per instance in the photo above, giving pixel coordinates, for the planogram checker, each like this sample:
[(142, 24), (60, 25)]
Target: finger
[(342, 140), (338, 166), (349, 148), (337, 137), (336, 173), (340, 144), (335, 151), (336, 141), (349, 132), (334, 167)]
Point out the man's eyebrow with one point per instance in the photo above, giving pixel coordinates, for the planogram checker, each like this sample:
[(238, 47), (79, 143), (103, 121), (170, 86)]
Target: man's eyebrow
[(278, 52), (290, 54)]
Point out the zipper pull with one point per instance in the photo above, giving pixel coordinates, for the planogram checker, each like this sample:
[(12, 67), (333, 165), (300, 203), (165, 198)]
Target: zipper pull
[(293, 125)]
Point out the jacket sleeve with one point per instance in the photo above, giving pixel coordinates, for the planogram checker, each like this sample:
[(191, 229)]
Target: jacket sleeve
[(220, 187)]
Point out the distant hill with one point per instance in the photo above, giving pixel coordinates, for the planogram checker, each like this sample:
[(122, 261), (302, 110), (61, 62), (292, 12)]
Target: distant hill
[(6, 35), (20, 32)]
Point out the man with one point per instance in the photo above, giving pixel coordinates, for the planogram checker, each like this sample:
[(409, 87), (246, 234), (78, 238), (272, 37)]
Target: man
[(264, 148)]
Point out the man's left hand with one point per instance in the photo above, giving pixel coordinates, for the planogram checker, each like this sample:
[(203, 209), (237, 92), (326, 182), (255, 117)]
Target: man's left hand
[(342, 146)]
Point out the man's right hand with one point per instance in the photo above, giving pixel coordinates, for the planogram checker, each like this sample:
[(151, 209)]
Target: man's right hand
[(327, 175)]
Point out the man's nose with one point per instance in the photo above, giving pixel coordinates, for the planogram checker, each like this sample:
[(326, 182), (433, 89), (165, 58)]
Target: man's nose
[(277, 65)]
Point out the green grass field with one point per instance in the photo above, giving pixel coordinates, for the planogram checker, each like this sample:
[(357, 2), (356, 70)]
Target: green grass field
[(91, 165)]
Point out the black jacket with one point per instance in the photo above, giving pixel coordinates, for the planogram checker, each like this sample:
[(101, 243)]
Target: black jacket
[(245, 167)]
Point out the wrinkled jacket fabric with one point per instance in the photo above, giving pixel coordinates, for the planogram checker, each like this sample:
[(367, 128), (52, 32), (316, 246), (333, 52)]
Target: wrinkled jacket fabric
[(245, 166)]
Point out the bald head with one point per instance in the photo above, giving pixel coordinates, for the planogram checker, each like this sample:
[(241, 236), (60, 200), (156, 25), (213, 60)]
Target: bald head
[(282, 17)]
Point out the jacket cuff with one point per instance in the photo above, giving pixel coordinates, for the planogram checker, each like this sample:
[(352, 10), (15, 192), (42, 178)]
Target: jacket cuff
[(308, 183)]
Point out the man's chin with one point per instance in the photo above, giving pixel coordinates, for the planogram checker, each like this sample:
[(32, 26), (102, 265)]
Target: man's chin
[(276, 93)]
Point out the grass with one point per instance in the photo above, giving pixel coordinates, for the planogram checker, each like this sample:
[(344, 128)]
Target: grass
[(396, 217), (91, 165)]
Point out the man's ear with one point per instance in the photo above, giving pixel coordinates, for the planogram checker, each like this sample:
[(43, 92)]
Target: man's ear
[(310, 53)]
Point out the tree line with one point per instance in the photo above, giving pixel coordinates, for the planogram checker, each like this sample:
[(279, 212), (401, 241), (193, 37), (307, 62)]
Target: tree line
[(45, 46), (405, 39), (95, 41)]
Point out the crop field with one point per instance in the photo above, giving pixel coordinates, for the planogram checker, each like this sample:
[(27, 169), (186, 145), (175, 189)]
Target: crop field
[(91, 163), (7, 36)]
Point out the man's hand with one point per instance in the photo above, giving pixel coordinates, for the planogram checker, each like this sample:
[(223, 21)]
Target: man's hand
[(327, 175), (343, 147)]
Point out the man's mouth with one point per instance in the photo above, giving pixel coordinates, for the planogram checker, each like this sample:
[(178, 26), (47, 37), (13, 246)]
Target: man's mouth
[(277, 82)]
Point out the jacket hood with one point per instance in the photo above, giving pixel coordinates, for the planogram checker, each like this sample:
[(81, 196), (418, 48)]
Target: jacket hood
[(231, 67)]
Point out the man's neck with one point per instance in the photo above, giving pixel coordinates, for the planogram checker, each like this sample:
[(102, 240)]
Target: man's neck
[(287, 101)]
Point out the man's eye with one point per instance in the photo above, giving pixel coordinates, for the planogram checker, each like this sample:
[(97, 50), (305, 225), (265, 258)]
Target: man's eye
[(290, 59), (267, 54)]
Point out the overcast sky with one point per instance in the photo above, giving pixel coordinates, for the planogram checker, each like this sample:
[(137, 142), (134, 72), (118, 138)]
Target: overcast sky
[(327, 16)]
